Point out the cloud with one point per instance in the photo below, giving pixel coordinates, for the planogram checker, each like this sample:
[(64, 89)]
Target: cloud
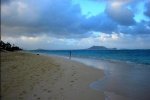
[(63, 19), (147, 12), (54, 17), (117, 10), (5, 1), (119, 40), (141, 28), (100, 22)]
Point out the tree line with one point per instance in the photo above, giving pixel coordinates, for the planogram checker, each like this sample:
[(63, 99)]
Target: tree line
[(7, 46)]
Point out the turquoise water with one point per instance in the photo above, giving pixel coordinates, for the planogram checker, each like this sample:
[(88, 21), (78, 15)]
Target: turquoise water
[(135, 56)]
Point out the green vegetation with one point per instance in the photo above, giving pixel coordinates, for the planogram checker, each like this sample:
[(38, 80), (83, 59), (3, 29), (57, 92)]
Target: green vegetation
[(8, 47)]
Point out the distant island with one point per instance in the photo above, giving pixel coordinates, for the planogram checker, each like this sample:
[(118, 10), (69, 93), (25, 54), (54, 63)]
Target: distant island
[(90, 48), (100, 48), (40, 49)]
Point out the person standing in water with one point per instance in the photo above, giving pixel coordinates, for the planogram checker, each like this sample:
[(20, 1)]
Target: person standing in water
[(70, 54)]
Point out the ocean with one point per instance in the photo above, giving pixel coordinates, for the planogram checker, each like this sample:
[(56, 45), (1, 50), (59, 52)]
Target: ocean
[(126, 72), (133, 56)]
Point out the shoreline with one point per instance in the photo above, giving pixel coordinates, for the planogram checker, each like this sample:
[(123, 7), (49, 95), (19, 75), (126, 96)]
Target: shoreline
[(27, 76), (76, 58), (59, 78), (134, 60), (113, 83)]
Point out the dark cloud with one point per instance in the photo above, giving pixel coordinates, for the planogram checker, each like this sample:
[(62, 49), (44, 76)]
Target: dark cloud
[(54, 17), (120, 14), (60, 18), (5, 1), (147, 12), (100, 23), (142, 28)]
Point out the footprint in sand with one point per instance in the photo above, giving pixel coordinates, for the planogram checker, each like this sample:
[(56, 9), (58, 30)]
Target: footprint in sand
[(37, 82), (71, 81), (42, 86), (61, 88), (49, 91), (38, 98), (20, 94), (20, 98), (37, 75), (44, 89), (76, 79), (53, 83), (72, 74), (34, 95), (71, 84), (55, 79), (24, 92), (49, 98)]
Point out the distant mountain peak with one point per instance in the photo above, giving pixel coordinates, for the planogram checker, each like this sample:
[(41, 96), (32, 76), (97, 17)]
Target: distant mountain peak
[(100, 48), (40, 49), (97, 48)]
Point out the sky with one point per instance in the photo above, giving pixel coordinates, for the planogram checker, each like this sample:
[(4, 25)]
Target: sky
[(76, 24)]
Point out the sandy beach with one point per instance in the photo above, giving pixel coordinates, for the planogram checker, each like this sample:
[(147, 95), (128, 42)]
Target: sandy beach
[(26, 76)]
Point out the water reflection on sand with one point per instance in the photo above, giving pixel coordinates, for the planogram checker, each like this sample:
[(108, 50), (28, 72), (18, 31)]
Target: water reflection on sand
[(122, 81)]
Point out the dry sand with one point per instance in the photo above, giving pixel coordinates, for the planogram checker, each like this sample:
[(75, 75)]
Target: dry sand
[(27, 76)]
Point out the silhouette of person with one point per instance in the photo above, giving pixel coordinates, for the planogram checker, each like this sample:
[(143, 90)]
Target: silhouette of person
[(70, 55)]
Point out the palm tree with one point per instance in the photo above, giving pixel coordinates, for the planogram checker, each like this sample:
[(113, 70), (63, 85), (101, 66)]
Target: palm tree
[(2, 45), (8, 46)]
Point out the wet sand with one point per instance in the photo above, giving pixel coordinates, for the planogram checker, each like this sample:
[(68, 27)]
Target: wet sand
[(27, 76), (122, 80)]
